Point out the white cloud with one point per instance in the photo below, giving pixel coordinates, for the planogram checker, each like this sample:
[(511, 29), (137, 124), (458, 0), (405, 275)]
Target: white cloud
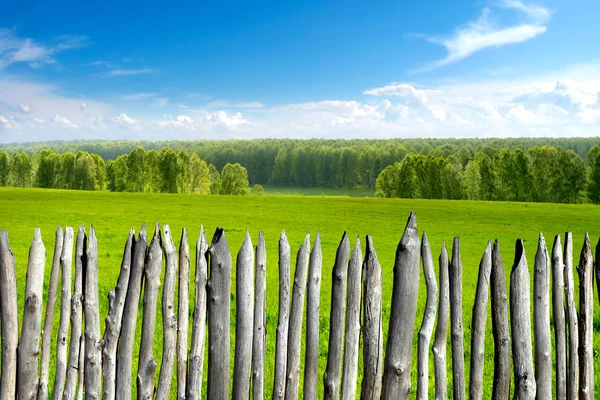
[(483, 33), (25, 108), (162, 102), (9, 123), (227, 104), (126, 72), (15, 49), (139, 96), (83, 106), (123, 118), (63, 121)]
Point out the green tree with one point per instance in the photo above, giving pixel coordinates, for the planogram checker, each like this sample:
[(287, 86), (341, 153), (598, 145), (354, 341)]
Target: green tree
[(183, 169), (100, 172), (258, 190), (215, 180), (472, 181), (5, 161), (85, 172), (486, 170), (544, 172), (572, 178), (593, 174), (48, 172), (281, 174), (234, 179), (169, 170), (348, 168), (152, 172), (67, 170), (22, 170), (453, 179), (136, 172), (200, 181)]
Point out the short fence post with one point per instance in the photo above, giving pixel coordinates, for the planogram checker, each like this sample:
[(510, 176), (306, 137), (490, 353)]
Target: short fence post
[(8, 318), (313, 301), (456, 323), (558, 311), (541, 321), (283, 319), (441, 330), (183, 309), (572, 323), (586, 321), (259, 337), (501, 385), (93, 344)]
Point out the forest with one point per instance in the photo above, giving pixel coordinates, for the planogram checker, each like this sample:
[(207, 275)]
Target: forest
[(562, 170)]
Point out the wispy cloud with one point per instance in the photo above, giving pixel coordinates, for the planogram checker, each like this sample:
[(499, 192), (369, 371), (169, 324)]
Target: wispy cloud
[(126, 72), (483, 33), (139, 96), (224, 103), (15, 49)]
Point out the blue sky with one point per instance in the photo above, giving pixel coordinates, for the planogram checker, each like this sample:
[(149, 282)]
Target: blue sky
[(347, 69)]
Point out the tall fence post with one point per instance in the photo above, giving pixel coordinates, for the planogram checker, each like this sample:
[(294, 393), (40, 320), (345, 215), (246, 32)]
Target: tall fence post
[(456, 323), (194, 378), (183, 309), (49, 318), (426, 329), (572, 323), (372, 329), (259, 337), (478, 325), (147, 362), (313, 306), (441, 330), (500, 331), (73, 369), (244, 319), (65, 315), (541, 321), (283, 319), (558, 312), (586, 321), (295, 327), (169, 318), (396, 375), (8, 318), (219, 308), (93, 344), (28, 350), (339, 282), (520, 320), (351, 346), (116, 303)]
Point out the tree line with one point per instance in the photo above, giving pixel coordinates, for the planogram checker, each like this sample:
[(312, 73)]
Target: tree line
[(542, 174), (523, 169), (140, 171)]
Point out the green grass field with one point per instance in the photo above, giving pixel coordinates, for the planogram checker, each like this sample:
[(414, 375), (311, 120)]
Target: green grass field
[(113, 214), (316, 191)]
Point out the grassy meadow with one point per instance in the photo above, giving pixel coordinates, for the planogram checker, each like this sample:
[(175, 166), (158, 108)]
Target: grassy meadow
[(113, 214)]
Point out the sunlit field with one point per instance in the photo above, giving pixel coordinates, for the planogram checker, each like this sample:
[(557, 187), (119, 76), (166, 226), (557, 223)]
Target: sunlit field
[(113, 214)]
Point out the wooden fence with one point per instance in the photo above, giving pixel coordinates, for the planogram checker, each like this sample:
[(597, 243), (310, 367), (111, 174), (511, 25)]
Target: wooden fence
[(101, 366)]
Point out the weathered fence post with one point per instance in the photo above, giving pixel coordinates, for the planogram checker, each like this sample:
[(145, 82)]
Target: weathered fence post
[(283, 318), (130, 313), (558, 311), (372, 330), (116, 303), (183, 310), (168, 317), (295, 323), (9, 319), (501, 385), (244, 319), (441, 330), (597, 264), (456, 323), (520, 321), (28, 350), (313, 301), (147, 362), (81, 366), (73, 370), (65, 315), (572, 323), (352, 341), (93, 345), (219, 302), (396, 375), (426, 329), (541, 321), (339, 281), (194, 378), (259, 337), (478, 325), (586, 321), (49, 318)]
